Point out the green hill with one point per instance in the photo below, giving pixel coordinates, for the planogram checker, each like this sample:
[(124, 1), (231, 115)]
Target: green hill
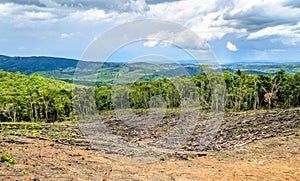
[(29, 65), (33, 98)]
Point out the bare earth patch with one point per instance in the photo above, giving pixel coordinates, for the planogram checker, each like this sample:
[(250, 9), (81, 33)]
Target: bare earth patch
[(270, 159), (249, 146)]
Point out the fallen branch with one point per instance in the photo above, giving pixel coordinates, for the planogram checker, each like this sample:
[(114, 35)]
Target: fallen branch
[(38, 137), (14, 141)]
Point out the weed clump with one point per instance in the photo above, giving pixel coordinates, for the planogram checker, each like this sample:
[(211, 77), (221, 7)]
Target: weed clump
[(7, 158), (161, 158)]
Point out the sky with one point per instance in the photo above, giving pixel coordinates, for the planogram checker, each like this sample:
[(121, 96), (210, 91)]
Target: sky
[(233, 30)]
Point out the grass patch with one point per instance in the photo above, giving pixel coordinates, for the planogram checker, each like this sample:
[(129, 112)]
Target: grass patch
[(7, 158), (161, 158), (25, 172), (255, 124)]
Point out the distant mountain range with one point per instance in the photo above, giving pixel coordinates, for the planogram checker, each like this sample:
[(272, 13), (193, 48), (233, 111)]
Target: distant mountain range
[(29, 65), (64, 68), (260, 63)]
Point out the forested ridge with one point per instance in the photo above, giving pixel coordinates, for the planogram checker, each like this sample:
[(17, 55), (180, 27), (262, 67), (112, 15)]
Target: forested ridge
[(34, 98)]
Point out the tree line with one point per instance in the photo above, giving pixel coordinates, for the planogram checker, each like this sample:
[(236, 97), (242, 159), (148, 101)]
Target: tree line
[(34, 98), (242, 91)]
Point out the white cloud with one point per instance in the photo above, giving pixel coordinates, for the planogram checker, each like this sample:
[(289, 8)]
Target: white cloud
[(7, 8), (66, 35), (184, 39), (23, 15), (91, 15), (230, 46), (111, 5), (204, 18), (151, 43), (211, 20), (138, 5), (38, 15), (269, 31), (287, 34), (49, 3), (267, 21)]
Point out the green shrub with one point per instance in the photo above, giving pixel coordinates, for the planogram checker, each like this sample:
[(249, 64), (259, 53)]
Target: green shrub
[(162, 158), (25, 172), (7, 158)]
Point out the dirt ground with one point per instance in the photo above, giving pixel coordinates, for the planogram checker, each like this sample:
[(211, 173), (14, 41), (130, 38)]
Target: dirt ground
[(276, 158)]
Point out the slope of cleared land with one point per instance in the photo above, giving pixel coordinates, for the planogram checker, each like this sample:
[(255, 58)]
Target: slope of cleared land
[(255, 145)]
